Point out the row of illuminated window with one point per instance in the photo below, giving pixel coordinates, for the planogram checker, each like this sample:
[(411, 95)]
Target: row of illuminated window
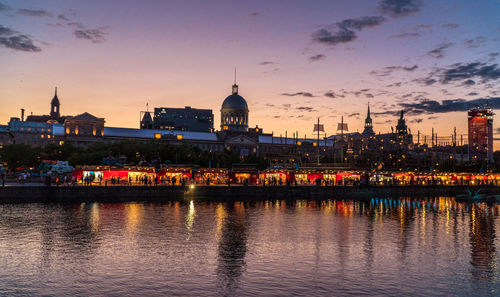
[(75, 130), (184, 116), (34, 129), (234, 118)]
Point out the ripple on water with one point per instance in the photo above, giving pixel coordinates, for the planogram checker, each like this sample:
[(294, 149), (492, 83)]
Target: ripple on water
[(422, 247)]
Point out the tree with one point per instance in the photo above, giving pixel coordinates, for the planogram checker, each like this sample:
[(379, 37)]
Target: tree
[(19, 155)]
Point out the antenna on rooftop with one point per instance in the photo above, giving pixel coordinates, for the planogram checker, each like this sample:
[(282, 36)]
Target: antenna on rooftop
[(234, 75)]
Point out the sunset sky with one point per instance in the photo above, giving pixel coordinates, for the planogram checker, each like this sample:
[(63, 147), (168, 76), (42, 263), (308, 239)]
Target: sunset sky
[(295, 60)]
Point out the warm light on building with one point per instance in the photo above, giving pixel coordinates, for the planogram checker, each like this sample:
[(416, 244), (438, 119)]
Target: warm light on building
[(480, 128), (157, 136), (179, 137)]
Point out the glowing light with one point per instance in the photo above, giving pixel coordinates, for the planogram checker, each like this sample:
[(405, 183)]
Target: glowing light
[(190, 216), (180, 136), (157, 136)]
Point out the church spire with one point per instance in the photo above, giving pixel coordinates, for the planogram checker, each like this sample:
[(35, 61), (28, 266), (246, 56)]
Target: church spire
[(54, 106), (401, 128), (368, 123)]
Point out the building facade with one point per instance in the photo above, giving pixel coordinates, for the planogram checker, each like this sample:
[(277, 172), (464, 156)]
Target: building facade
[(480, 126), (367, 150), (182, 119)]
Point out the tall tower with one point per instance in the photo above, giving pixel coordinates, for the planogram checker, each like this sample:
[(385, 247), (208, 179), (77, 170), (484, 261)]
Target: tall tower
[(368, 131), (480, 134), (54, 107)]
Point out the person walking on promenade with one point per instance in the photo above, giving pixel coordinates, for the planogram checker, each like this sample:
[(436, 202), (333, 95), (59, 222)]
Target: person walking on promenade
[(2, 175)]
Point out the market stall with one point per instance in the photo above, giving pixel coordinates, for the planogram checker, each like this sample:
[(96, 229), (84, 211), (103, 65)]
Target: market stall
[(174, 175), (275, 176), (211, 176)]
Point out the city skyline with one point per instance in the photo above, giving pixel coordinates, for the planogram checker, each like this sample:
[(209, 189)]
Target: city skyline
[(110, 58)]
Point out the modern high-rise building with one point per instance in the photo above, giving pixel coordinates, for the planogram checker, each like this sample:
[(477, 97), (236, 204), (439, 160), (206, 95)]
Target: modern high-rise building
[(480, 134), (181, 119)]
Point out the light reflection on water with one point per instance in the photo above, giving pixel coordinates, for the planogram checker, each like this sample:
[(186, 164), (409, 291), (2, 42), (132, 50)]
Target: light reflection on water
[(404, 246)]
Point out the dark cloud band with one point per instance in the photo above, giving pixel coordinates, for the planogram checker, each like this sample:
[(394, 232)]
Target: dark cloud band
[(346, 30), (13, 39), (93, 35), (397, 8), (305, 94)]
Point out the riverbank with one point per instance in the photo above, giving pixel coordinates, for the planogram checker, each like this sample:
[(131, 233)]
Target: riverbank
[(112, 194)]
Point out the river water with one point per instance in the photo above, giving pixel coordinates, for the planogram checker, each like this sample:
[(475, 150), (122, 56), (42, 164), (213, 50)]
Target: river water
[(402, 247)]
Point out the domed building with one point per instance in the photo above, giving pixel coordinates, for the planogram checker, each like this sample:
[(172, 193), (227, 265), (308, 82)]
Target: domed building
[(234, 112)]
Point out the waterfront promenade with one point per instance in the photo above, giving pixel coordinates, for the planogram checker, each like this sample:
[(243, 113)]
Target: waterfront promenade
[(118, 193)]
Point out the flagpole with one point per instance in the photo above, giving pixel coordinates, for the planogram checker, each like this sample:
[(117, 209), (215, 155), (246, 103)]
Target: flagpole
[(318, 141), (342, 139)]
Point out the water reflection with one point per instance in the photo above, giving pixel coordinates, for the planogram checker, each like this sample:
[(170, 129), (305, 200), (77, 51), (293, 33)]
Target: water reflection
[(95, 218), (482, 242), (381, 246), (134, 214), (190, 217), (232, 248)]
